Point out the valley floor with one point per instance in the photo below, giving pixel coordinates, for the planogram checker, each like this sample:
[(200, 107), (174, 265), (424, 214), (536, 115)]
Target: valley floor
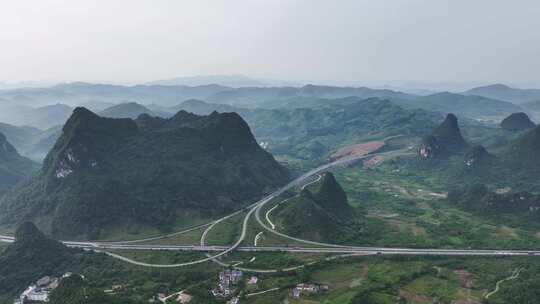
[(398, 212)]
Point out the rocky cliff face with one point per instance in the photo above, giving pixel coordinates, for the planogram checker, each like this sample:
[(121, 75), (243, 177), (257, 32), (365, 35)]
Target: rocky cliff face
[(445, 139), (429, 147), (86, 142), (476, 156)]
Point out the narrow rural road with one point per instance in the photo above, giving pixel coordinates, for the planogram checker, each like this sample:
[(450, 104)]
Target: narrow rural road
[(515, 275)]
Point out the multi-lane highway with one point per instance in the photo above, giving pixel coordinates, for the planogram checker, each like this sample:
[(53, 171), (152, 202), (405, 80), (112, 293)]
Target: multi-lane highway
[(214, 252), (343, 250), (336, 250)]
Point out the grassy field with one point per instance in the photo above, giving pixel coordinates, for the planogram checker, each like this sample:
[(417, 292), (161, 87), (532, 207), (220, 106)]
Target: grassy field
[(401, 212), (414, 213), (126, 234), (402, 280), (272, 260), (189, 238), (227, 231), (404, 212)]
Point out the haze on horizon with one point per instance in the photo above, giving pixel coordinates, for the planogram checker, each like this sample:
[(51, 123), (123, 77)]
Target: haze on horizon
[(324, 41)]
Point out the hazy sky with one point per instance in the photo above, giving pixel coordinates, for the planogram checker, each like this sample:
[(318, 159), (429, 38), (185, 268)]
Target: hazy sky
[(337, 40)]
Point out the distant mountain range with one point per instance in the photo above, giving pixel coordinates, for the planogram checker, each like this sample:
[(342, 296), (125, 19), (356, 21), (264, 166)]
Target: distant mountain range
[(233, 81), (475, 103), (506, 93), (283, 128), (311, 133), (104, 174), (464, 105), (255, 104), (30, 141), (80, 93), (43, 117), (126, 110)]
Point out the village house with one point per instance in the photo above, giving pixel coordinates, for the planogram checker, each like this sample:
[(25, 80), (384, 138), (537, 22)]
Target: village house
[(40, 291), (227, 280), (308, 288), (234, 300), (184, 298)]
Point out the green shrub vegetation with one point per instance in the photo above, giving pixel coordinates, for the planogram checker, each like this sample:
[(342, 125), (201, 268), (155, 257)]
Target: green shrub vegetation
[(13, 167), (322, 216), (106, 174)]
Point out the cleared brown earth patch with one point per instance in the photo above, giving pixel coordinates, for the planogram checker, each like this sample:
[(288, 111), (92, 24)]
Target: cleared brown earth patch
[(357, 149), (372, 161), (465, 278), (418, 231), (415, 298)]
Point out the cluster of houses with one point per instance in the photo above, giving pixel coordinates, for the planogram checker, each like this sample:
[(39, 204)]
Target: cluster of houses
[(308, 289), (40, 291), (228, 279)]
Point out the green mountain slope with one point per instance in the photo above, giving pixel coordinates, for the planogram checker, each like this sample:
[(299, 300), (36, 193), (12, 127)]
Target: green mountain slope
[(446, 139), (13, 167), (513, 156), (479, 198), (312, 133), (29, 258), (308, 135), (324, 215), (517, 122), (108, 174), (526, 148), (76, 290), (33, 256), (477, 157)]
